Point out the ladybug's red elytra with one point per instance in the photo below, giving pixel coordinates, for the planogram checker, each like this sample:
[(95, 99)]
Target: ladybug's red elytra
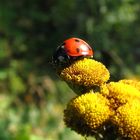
[(70, 50), (77, 47)]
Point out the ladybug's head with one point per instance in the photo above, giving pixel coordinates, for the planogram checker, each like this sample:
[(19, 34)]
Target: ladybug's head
[(71, 50)]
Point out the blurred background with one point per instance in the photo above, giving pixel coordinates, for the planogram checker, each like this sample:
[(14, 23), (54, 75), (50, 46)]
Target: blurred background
[(32, 97)]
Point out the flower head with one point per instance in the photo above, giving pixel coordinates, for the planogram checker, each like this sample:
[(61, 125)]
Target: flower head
[(119, 93), (134, 83), (85, 72), (127, 118), (87, 113)]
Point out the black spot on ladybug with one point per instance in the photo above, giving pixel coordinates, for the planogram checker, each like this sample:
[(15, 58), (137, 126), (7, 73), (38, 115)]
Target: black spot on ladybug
[(78, 50), (77, 40)]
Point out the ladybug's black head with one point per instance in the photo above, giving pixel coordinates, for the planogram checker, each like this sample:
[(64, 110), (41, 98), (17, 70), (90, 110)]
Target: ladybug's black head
[(60, 57)]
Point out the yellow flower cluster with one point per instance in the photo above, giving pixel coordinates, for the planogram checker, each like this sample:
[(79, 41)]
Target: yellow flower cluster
[(133, 83), (119, 93), (87, 113), (127, 119), (85, 72), (116, 102)]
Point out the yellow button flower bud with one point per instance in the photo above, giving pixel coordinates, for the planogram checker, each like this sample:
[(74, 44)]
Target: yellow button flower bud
[(127, 120), (87, 113), (134, 83), (119, 93), (86, 73)]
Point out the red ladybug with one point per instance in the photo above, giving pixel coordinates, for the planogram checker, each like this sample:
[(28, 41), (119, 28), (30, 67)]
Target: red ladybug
[(70, 50)]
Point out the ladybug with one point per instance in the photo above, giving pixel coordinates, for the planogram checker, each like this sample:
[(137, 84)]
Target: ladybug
[(70, 50)]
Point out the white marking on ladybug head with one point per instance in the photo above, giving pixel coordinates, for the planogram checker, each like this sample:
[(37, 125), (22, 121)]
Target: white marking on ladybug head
[(62, 47), (61, 58)]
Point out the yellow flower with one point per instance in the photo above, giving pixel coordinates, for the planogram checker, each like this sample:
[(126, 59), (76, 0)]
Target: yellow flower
[(104, 90), (88, 113), (119, 93), (86, 73), (134, 83), (127, 120)]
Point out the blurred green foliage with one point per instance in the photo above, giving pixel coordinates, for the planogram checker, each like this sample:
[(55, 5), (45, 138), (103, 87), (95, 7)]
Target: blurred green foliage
[(32, 98)]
